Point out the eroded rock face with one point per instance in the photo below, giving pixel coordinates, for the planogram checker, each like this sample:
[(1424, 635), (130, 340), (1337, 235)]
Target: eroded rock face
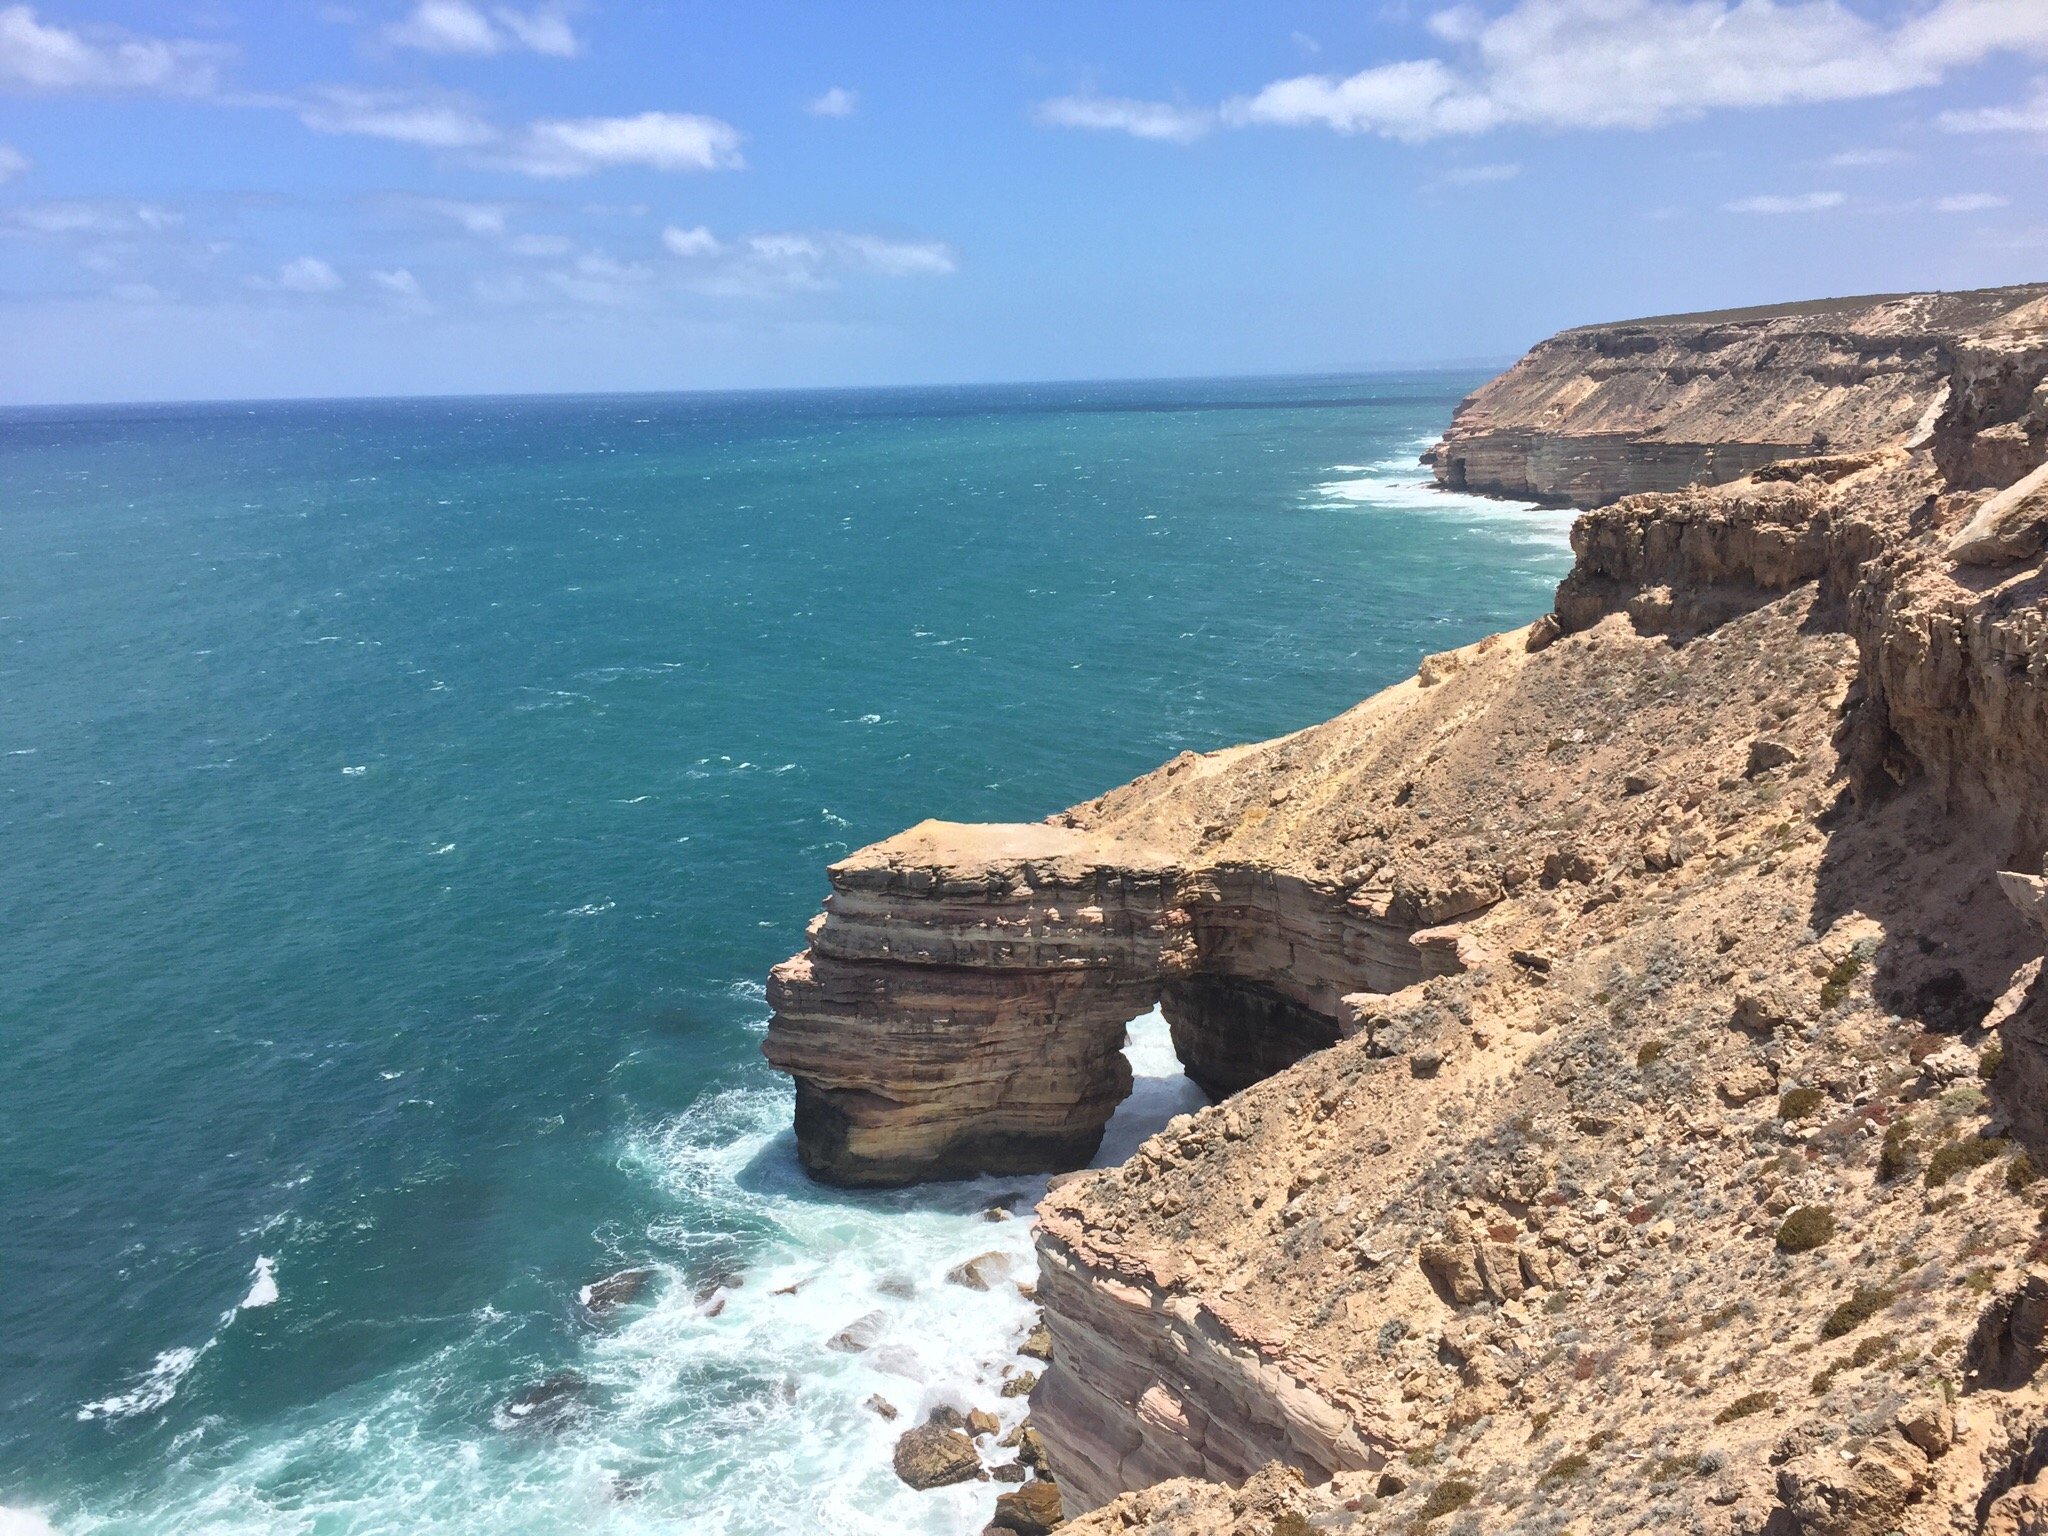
[(1607, 411), (961, 1007)]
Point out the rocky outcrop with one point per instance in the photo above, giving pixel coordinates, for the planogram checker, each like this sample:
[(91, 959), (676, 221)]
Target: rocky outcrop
[(961, 1006), (1629, 1033), (1605, 411)]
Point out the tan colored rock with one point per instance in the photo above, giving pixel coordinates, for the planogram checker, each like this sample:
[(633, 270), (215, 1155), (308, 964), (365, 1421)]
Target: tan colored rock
[(932, 1456), (982, 1272), (2011, 526), (2028, 894), (2021, 1511), (1032, 1510), (1864, 1496), (1605, 411)]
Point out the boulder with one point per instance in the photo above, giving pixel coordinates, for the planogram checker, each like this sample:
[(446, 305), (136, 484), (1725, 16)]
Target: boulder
[(1032, 1510), (933, 1456), (2028, 894), (1766, 753), (2011, 526), (863, 1333), (982, 1272), (1827, 1496)]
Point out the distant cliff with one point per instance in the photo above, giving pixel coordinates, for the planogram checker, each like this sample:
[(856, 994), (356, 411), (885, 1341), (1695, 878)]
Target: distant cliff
[(1605, 411)]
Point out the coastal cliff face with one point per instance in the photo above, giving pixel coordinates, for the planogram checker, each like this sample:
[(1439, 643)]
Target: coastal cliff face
[(1633, 1027), (1606, 411)]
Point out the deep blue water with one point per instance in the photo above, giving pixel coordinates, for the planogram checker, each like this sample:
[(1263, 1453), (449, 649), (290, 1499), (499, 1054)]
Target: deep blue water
[(400, 803)]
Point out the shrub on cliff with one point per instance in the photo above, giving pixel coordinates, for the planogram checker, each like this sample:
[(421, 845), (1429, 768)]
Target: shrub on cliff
[(1961, 1156), (1806, 1228), (1860, 1308)]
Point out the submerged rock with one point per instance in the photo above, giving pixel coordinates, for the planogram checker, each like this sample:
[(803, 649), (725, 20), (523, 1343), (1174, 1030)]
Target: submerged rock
[(982, 1272), (551, 1404), (621, 1288), (863, 1333)]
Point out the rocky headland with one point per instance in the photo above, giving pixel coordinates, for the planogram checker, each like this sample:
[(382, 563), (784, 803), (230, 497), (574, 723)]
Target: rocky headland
[(1628, 1037)]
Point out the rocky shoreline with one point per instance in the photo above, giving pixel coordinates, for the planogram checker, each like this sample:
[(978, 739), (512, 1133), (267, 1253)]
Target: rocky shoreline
[(1628, 1033)]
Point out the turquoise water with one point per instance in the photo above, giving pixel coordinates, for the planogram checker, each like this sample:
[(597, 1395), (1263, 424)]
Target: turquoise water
[(400, 803)]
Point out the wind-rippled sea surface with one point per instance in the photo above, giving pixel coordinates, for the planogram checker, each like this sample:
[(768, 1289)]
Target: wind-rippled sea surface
[(400, 803)]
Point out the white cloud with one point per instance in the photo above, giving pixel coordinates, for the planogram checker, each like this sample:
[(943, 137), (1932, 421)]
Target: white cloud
[(1639, 64), (2029, 116), (1481, 175), (1803, 202), (691, 243), (475, 218), (1141, 119), (459, 27), (1972, 202), (837, 102), (403, 289), (662, 141), (307, 274), (435, 122), (798, 261), (899, 258), (72, 219), (44, 57), (1866, 159), (540, 245), (13, 162)]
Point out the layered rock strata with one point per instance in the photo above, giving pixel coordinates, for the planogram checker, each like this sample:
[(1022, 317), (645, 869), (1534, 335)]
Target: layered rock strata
[(961, 1006), (1606, 411), (1635, 1035)]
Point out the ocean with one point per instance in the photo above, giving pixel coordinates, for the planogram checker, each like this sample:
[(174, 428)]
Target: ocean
[(400, 805)]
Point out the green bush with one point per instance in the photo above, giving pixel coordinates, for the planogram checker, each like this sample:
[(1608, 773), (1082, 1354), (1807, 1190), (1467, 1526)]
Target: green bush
[(1860, 1308), (1743, 1407), (1651, 1051), (1444, 1498), (1990, 1059), (2020, 1172), (1836, 987), (1806, 1229), (1896, 1160), (1961, 1156), (1565, 1468), (1798, 1103)]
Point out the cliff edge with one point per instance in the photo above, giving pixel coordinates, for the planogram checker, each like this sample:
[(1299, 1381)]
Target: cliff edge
[(1606, 411), (1628, 1034)]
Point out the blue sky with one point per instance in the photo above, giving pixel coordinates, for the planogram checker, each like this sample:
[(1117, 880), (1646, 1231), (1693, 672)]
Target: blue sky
[(232, 200)]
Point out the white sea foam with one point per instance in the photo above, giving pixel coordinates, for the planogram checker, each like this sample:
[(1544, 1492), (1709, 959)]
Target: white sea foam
[(152, 1390), (1402, 484), (796, 1446), (717, 1406), (24, 1522), (262, 1285)]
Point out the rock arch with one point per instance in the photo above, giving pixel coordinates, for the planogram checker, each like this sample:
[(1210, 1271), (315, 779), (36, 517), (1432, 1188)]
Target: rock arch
[(961, 1006)]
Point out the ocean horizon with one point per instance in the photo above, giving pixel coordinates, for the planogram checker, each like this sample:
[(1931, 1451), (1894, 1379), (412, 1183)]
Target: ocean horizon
[(404, 800)]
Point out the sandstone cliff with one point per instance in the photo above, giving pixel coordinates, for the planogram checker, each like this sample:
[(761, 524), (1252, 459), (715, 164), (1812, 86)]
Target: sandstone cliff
[(1605, 411), (1633, 1032)]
